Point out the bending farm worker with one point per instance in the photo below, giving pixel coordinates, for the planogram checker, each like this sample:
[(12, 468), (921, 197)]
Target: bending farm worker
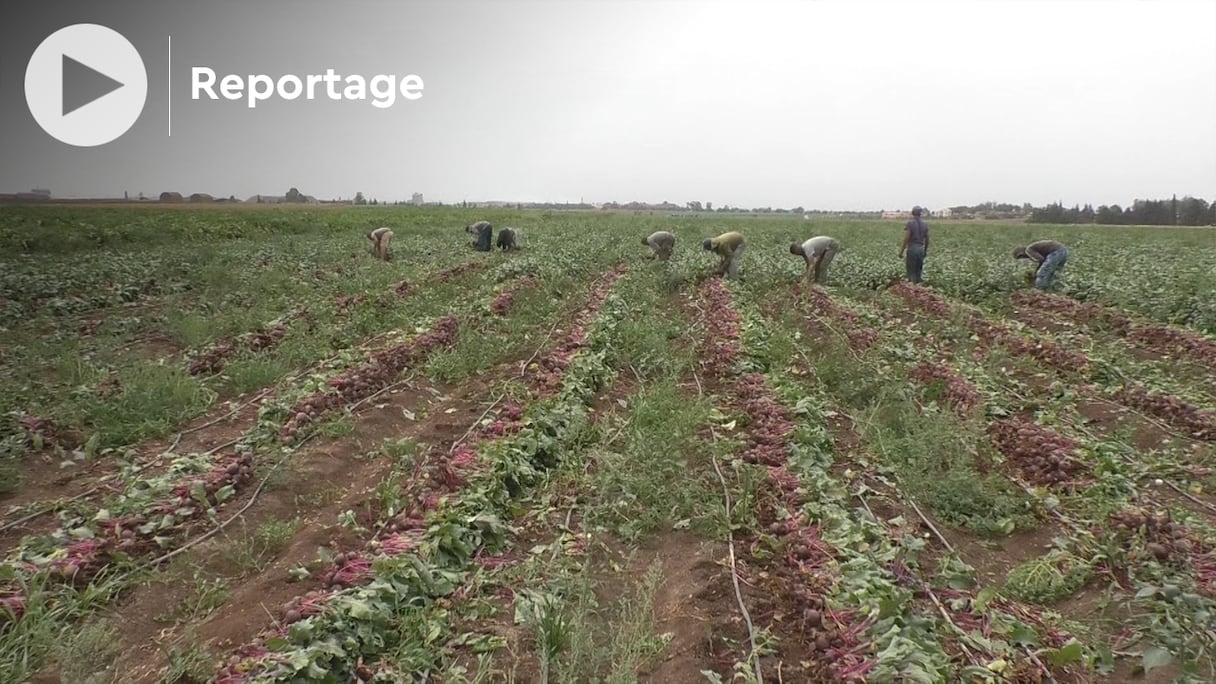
[(506, 239), (381, 237), (729, 246), (916, 245), (818, 252), (1049, 255), (661, 244), (483, 234)]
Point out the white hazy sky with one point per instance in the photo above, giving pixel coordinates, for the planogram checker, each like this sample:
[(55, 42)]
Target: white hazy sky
[(865, 104)]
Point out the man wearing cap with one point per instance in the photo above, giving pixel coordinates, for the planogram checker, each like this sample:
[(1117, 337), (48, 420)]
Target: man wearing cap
[(660, 243), (818, 252), (1049, 255), (729, 246), (915, 245)]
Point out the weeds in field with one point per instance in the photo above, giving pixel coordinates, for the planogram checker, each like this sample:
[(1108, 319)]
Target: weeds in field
[(12, 448), (44, 613), (661, 446), (206, 595), (255, 552), (611, 643), (188, 660), (86, 655), (936, 456), (153, 399)]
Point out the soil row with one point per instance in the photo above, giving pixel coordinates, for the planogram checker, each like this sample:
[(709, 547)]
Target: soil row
[(438, 481), (1192, 420), (1029, 453), (831, 644), (1145, 533), (1155, 337), (204, 485), (213, 359)]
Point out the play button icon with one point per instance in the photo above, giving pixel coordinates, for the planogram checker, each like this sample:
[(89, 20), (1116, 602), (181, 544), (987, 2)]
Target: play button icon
[(86, 85), (82, 85)]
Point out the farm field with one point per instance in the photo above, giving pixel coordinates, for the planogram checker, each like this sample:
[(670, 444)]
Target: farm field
[(236, 448)]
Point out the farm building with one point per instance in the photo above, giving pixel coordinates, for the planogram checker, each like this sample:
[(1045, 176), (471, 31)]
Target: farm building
[(201, 197), (171, 197), (279, 199)]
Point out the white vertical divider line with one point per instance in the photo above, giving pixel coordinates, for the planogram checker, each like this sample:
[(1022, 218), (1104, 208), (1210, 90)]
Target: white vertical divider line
[(170, 95)]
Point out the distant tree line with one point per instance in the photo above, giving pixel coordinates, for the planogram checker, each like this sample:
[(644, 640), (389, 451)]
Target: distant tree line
[(1188, 211), (992, 210)]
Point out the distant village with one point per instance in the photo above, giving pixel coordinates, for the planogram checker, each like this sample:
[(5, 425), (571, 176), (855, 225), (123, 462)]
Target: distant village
[(989, 210)]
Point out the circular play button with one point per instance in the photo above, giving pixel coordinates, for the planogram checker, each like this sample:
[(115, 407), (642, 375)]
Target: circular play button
[(86, 85)]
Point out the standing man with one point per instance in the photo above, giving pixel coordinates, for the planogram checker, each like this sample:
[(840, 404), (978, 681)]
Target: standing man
[(818, 253), (1049, 255), (484, 233), (381, 237), (916, 245), (729, 246), (661, 244)]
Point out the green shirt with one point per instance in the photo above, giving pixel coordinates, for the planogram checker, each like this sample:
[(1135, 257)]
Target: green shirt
[(726, 243)]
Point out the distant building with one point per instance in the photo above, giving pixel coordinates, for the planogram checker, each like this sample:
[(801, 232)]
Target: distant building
[(896, 214), (171, 197), (416, 199), (944, 213), (280, 199), (35, 195), (201, 197)]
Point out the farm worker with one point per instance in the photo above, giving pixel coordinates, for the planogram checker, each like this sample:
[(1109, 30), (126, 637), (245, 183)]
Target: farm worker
[(484, 233), (506, 238), (660, 243), (381, 237), (818, 252), (729, 246), (1049, 255), (916, 244)]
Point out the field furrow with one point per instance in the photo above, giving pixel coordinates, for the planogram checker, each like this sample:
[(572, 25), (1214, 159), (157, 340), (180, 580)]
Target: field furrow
[(258, 454), (1115, 479), (970, 571), (432, 528), (1158, 339), (399, 355)]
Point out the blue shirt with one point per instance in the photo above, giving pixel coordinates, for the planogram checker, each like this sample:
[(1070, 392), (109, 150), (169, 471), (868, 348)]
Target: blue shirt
[(918, 232)]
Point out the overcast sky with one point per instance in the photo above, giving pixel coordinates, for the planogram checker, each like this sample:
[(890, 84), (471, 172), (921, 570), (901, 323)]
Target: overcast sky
[(866, 104)]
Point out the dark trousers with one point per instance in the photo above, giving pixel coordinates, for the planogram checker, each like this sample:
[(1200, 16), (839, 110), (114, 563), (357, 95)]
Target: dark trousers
[(914, 262)]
